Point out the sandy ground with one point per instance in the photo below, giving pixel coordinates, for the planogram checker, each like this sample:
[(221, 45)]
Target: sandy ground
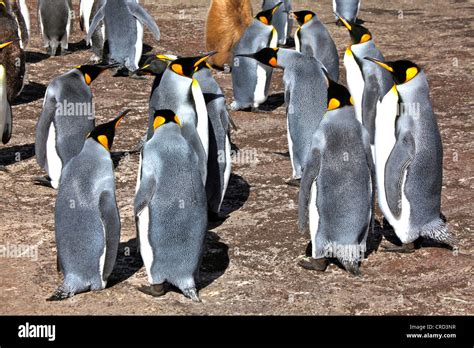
[(249, 266)]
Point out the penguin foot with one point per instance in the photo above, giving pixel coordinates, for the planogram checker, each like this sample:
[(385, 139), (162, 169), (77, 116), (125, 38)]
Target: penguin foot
[(155, 290), (95, 59), (43, 181), (192, 294), (404, 249), (313, 264), (352, 267), (234, 106), (59, 295), (294, 182)]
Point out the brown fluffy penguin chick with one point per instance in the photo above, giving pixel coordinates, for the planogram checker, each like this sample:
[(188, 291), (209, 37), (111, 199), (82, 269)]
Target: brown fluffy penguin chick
[(226, 22)]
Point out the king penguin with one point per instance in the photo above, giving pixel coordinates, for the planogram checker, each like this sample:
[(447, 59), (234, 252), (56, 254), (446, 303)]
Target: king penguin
[(282, 21), (22, 17), (179, 91), (170, 208), (56, 20), (66, 119), (365, 81), (348, 9), (85, 12), (336, 197), (250, 79), (6, 119), (305, 98), (124, 21), (87, 219), (409, 158), (313, 39), (12, 56)]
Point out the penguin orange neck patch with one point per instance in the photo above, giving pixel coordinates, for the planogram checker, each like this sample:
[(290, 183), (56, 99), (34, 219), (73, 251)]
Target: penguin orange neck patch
[(104, 141), (411, 73), (333, 104)]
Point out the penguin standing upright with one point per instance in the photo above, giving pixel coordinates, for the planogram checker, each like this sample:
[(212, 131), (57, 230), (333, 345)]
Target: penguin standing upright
[(219, 164), (98, 39), (85, 13), (409, 158), (305, 98), (6, 119), (179, 91), (56, 22), (87, 219), (250, 79), (226, 22), (336, 196), (170, 208), (282, 20), (66, 119), (348, 9), (124, 21), (22, 18), (12, 56), (365, 81), (313, 39)]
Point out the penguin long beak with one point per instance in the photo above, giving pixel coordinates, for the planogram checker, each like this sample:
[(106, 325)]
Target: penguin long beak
[(380, 63), (120, 117), (326, 74), (3, 45), (344, 21), (210, 54), (249, 55), (274, 9)]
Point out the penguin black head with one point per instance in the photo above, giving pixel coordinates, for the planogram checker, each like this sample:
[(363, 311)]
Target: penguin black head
[(359, 34), (91, 72), (402, 70), (338, 95), (187, 66), (266, 16), (162, 117), (155, 65), (303, 17), (104, 134), (267, 56)]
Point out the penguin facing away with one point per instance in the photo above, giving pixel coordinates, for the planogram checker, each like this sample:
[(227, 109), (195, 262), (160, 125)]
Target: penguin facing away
[(66, 119), (348, 9), (250, 79), (336, 196), (409, 158), (365, 81), (178, 90), (282, 20), (56, 21), (6, 119), (305, 98), (87, 219), (12, 56), (20, 12), (313, 39), (85, 12), (170, 208), (98, 39), (226, 22), (124, 21)]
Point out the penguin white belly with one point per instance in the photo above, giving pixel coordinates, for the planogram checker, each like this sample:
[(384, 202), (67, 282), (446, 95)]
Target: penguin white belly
[(259, 94), (274, 39), (297, 40), (228, 168), (313, 216), (402, 225), (202, 116), (54, 164), (5, 111), (145, 247), (139, 43), (355, 82), (102, 259), (68, 28), (85, 13), (290, 146), (45, 39), (26, 14)]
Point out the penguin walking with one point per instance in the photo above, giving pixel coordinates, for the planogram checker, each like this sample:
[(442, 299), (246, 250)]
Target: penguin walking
[(124, 21), (337, 194), (56, 20), (170, 208), (305, 98), (348, 9), (179, 91), (282, 20), (365, 81), (12, 56), (66, 119), (6, 118), (226, 22), (250, 79), (87, 220), (409, 158), (313, 39)]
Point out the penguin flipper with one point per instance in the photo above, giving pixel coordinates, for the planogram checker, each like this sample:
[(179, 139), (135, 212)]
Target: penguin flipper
[(370, 162), (310, 173), (110, 218), (145, 18), (370, 98), (146, 191), (7, 129), (99, 16), (397, 163), (42, 128)]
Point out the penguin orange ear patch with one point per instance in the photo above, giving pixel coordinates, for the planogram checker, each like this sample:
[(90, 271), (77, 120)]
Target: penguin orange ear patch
[(88, 79), (264, 20), (411, 73), (177, 68), (158, 122), (333, 104), (351, 100), (104, 141), (177, 120), (273, 62), (308, 17), (365, 38)]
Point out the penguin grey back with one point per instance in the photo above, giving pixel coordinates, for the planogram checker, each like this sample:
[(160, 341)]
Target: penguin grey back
[(348, 9), (282, 22), (55, 17)]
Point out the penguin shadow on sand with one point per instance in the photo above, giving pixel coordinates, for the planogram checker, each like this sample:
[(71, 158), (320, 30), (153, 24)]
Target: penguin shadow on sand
[(35, 57), (128, 262), (273, 102), (31, 92), (15, 154)]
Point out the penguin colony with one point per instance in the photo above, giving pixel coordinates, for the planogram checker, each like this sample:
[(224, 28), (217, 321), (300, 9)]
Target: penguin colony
[(347, 145)]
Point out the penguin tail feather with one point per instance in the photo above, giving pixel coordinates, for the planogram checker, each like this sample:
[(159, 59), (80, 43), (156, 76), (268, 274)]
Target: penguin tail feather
[(60, 294), (438, 230), (192, 294), (351, 266)]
